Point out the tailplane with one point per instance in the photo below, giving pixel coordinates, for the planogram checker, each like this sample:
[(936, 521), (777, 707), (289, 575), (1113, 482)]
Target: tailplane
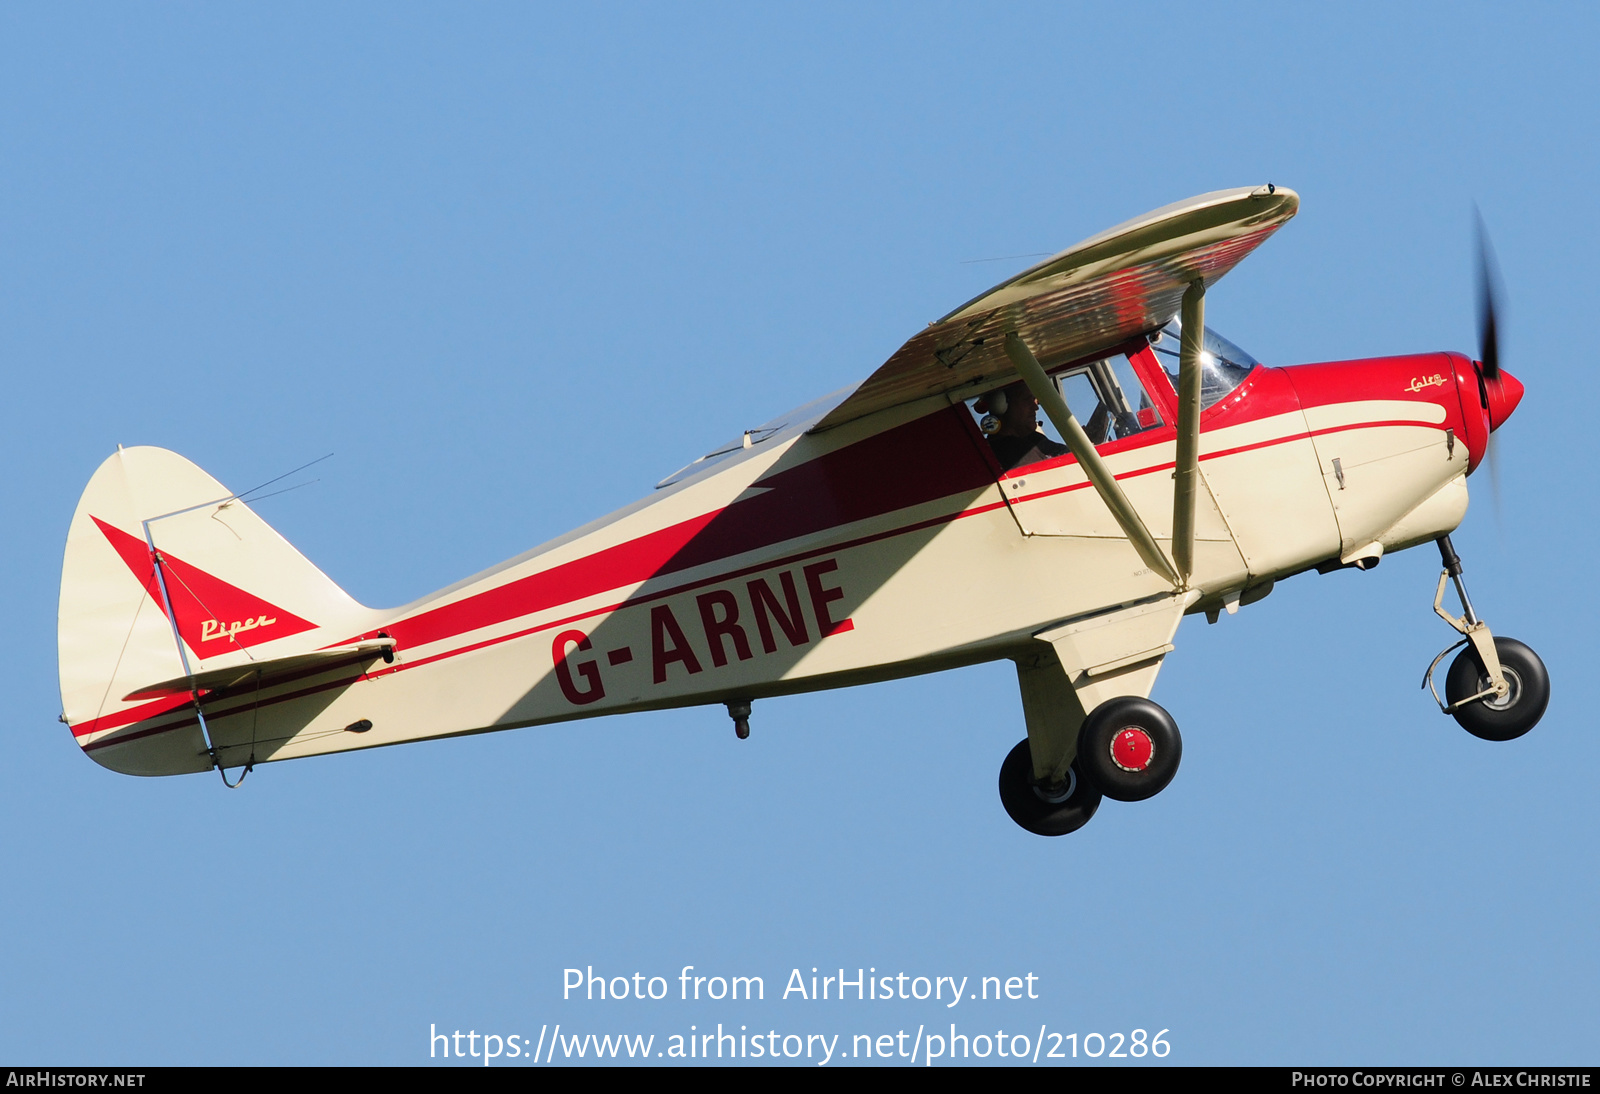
[(234, 591)]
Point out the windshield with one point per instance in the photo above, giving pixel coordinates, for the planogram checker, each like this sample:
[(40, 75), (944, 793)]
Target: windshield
[(1223, 365)]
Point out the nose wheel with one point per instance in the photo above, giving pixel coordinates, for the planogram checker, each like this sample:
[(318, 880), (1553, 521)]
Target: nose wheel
[(1496, 688), (1497, 717)]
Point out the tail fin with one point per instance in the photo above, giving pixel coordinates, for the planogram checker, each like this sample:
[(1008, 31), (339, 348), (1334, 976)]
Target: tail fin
[(237, 591)]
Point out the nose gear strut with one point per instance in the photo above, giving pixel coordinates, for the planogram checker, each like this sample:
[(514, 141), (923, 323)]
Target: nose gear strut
[(1475, 630), (1497, 688)]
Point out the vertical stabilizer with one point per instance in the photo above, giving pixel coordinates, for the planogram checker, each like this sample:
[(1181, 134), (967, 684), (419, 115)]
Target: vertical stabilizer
[(238, 593)]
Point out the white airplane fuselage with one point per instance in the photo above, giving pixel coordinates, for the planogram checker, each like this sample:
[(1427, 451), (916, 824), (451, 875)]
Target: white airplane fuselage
[(886, 546)]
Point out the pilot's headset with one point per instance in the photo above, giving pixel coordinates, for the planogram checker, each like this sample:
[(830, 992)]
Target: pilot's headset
[(991, 406)]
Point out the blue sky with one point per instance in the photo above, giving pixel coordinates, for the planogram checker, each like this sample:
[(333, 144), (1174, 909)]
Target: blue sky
[(513, 264)]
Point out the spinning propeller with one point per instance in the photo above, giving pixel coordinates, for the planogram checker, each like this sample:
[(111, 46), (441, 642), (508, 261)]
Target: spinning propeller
[(1488, 301), (1500, 391)]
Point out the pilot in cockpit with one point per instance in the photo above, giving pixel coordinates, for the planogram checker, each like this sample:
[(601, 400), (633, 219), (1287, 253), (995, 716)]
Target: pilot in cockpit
[(1012, 427)]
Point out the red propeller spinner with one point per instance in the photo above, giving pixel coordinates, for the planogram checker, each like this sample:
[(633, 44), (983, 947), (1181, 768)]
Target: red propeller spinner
[(1502, 392)]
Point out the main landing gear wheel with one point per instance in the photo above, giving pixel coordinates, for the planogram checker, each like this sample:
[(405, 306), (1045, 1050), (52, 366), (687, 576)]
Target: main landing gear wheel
[(1499, 718), (1130, 748), (1039, 810)]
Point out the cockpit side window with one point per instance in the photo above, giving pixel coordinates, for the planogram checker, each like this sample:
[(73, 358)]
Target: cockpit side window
[(1109, 400), (1223, 365), (1106, 397)]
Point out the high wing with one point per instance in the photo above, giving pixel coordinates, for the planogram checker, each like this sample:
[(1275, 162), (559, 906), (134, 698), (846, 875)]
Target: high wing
[(1123, 282)]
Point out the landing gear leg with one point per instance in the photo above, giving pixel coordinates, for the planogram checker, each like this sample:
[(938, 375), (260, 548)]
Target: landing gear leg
[(1040, 784), (1497, 688)]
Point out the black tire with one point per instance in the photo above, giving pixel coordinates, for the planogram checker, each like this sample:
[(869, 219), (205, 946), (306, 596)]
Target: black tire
[(1499, 719), (1041, 814), (1130, 748)]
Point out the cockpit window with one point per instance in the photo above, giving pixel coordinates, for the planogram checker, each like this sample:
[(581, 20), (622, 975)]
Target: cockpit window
[(1223, 365), (1109, 400), (1105, 397)]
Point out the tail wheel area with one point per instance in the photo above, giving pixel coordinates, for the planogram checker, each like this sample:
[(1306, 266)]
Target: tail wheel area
[(1130, 748), (1045, 811), (1499, 717)]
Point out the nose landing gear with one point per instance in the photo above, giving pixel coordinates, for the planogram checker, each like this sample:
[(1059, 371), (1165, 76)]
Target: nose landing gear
[(1497, 688)]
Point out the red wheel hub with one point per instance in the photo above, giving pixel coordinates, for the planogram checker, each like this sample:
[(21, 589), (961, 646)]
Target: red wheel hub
[(1132, 749)]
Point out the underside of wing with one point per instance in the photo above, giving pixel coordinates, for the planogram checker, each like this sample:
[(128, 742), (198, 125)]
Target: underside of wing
[(1124, 282)]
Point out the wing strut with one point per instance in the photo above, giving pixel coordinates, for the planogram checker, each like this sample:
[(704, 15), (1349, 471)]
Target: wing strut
[(1186, 473), (1104, 482)]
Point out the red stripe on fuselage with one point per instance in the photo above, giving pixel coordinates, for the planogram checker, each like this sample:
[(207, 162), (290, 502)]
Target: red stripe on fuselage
[(924, 460), (1207, 456), (630, 602), (920, 461), (140, 713)]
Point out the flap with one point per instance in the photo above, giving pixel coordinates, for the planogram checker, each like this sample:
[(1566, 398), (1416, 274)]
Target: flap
[(1124, 282)]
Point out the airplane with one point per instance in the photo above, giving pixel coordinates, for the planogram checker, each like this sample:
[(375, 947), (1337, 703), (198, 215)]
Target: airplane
[(918, 521)]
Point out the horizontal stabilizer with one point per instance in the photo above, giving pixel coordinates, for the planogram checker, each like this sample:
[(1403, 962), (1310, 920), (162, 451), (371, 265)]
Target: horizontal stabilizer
[(264, 673)]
